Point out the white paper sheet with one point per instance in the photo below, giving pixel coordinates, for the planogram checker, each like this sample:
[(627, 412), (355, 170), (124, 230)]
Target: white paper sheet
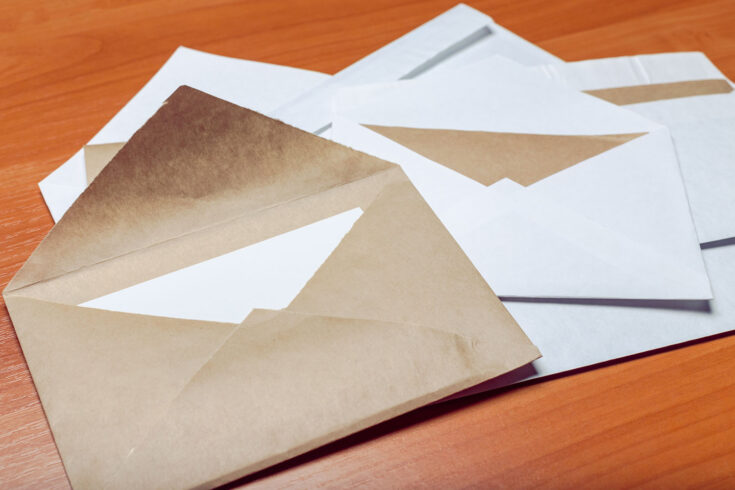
[(702, 127), (258, 86), (457, 37), (614, 226), (267, 274)]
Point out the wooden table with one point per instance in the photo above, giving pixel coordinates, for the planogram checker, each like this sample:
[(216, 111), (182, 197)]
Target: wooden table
[(663, 420)]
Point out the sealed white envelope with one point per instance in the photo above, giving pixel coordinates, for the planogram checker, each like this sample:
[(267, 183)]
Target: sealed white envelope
[(688, 94), (258, 86), (459, 36), (552, 193)]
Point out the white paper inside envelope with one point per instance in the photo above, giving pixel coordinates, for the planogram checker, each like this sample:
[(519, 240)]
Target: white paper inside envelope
[(267, 274), (597, 210), (457, 37), (258, 86), (701, 124)]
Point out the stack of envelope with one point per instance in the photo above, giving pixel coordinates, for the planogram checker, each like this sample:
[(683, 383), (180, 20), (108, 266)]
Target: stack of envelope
[(252, 260)]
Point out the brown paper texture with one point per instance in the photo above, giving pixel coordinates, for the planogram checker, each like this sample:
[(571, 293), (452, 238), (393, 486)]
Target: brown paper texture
[(96, 157), (636, 94), (488, 157), (397, 317)]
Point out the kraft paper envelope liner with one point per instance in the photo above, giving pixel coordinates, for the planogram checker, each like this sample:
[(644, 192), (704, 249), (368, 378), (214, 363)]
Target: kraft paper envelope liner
[(636, 94), (484, 156), (395, 318)]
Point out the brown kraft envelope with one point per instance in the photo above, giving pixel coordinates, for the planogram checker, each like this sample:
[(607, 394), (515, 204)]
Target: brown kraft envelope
[(397, 316)]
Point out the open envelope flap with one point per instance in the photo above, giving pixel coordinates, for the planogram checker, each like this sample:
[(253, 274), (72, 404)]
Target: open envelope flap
[(251, 162), (397, 317), (484, 156), (107, 379)]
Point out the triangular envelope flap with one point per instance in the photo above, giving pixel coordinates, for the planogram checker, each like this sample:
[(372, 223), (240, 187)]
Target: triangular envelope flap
[(198, 161), (292, 384), (105, 378), (488, 157), (399, 264)]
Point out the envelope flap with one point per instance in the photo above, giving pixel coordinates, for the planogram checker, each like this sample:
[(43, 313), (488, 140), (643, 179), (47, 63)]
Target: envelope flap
[(197, 162), (399, 264), (347, 374), (488, 157), (105, 377)]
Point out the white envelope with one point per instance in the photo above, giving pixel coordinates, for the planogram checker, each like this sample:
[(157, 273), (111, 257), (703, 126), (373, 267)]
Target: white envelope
[(612, 224), (457, 37), (702, 126), (258, 86), (579, 333)]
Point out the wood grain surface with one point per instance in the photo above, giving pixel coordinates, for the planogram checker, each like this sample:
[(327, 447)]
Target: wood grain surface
[(665, 420)]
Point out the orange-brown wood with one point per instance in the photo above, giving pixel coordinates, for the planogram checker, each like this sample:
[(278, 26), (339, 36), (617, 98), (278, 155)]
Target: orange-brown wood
[(663, 420)]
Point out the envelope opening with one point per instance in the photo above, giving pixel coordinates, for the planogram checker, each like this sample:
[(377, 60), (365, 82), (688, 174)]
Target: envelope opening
[(264, 275), (488, 157)]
